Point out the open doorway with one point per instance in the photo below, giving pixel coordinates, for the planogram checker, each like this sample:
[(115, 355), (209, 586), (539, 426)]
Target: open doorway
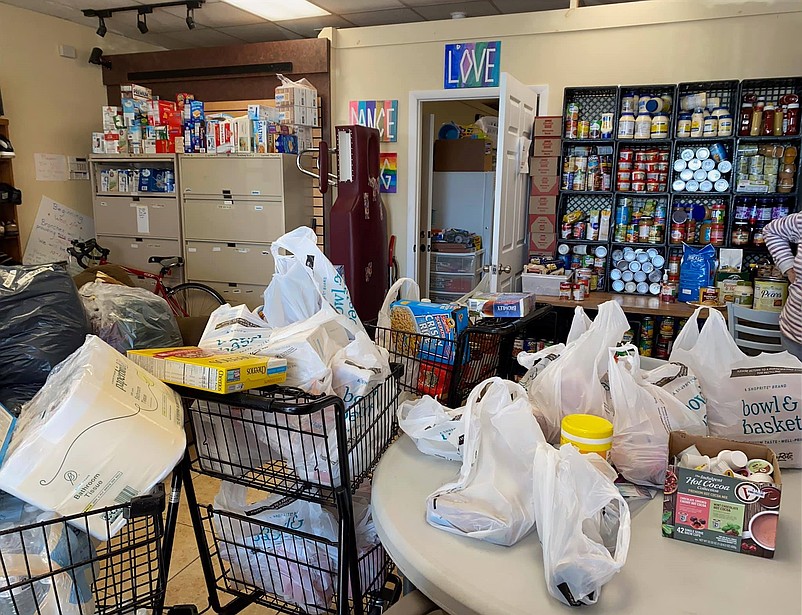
[(457, 192)]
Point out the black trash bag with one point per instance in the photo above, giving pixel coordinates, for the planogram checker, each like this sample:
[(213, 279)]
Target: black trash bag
[(129, 318), (42, 322)]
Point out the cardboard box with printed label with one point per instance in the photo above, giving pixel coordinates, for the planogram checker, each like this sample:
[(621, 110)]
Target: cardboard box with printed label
[(732, 513), (542, 243), (545, 186), (543, 205), (548, 146), (461, 155), (544, 166), (548, 126), (196, 368)]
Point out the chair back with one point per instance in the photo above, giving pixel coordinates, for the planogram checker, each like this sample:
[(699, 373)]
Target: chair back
[(754, 329)]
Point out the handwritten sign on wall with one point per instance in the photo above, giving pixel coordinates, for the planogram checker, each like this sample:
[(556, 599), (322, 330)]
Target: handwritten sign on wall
[(56, 225), (379, 114), (472, 65)]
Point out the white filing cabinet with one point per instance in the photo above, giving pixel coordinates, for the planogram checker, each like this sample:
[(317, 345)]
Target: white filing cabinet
[(134, 224), (233, 208)]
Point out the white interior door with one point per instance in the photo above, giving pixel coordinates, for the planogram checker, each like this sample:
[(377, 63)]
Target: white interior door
[(424, 240), (517, 108)]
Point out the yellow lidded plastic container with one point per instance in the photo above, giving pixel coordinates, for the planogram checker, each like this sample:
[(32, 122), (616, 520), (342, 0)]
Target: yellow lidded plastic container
[(588, 433)]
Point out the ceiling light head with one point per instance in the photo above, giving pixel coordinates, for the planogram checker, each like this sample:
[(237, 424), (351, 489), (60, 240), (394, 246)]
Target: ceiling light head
[(101, 28), (459, 15), (190, 18), (142, 21)]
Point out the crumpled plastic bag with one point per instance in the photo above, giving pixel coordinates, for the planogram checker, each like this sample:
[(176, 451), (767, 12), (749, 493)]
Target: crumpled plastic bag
[(645, 412), (492, 497), (42, 322), (31, 547), (129, 318), (357, 368), (436, 430), (583, 523), (301, 569), (572, 384)]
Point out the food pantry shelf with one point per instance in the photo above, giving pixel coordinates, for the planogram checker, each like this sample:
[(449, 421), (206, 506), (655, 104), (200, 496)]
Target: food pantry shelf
[(632, 304)]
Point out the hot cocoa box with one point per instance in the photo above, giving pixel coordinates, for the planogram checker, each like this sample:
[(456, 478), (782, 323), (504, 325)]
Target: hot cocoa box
[(734, 514)]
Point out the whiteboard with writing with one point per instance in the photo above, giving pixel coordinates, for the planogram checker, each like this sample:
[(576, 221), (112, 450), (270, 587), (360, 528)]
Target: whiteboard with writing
[(56, 225)]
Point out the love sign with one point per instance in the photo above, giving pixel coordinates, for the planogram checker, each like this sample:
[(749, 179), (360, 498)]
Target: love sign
[(472, 65)]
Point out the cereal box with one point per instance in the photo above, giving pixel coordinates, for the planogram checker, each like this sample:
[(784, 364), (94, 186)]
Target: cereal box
[(201, 369), (435, 328)]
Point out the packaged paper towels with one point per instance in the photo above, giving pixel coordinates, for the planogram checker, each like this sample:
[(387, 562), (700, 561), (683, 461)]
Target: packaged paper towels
[(101, 431)]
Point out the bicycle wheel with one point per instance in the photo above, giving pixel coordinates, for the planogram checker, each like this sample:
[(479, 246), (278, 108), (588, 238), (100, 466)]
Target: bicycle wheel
[(193, 299)]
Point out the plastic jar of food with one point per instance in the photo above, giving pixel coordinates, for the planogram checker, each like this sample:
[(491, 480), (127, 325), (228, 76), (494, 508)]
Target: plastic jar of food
[(684, 126), (697, 124), (710, 126), (740, 234), (643, 126), (626, 125), (660, 126), (588, 433), (725, 126)]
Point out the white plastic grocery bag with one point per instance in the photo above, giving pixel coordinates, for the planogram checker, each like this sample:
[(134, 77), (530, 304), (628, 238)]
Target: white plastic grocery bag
[(403, 288), (296, 567), (644, 413), (289, 297), (492, 497), (435, 429), (358, 368), (101, 431), (583, 523), (750, 399), (572, 384)]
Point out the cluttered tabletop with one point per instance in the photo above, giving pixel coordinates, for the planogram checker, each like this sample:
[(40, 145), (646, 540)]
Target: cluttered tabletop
[(635, 304)]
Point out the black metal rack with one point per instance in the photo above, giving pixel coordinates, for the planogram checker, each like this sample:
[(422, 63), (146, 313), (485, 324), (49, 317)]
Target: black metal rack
[(593, 102), (293, 447), (730, 93), (54, 566)]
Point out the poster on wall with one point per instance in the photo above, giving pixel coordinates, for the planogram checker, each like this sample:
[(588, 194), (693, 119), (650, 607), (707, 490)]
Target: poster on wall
[(55, 226), (472, 65), (379, 114), (388, 167)]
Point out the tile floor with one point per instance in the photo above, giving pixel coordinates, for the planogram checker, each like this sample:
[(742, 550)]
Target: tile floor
[(186, 584)]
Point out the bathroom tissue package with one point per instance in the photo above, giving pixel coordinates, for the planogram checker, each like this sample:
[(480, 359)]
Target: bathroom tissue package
[(101, 431)]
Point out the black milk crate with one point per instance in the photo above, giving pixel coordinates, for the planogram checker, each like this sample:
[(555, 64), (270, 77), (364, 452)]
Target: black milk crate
[(769, 89), (450, 368), (53, 566), (635, 200), (289, 442), (593, 101), (726, 91), (653, 91), (695, 145), (286, 568)]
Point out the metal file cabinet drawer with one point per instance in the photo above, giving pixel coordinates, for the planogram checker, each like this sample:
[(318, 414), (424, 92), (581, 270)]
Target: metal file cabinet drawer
[(253, 178), (122, 215), (251, 295), (233, 220), (135, 251), (241, 263)]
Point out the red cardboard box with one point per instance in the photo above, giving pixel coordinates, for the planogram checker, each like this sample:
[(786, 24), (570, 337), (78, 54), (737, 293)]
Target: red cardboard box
[(543, 205), (545, 185), (542, 224), (165, 146), (548, 126), (544, 165), (159, 112), (542, 243), (548, 146)]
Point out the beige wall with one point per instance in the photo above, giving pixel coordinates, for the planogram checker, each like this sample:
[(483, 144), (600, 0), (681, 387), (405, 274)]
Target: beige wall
[(52, 103), (654, 41)]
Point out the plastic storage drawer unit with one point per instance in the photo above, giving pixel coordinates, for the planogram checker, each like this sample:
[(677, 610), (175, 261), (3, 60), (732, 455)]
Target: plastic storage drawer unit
[(462, 262), (454, 282)]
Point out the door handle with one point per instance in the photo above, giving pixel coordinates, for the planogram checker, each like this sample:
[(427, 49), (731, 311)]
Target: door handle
[(486, 269), (504, 269)]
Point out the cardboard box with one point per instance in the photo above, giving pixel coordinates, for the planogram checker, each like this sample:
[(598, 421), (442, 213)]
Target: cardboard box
[(442, 323), (549, 126), (137, 92), (721, 511), (549, 146), (542, 223), (112, 118), (201, 369), (97, 143), (542, 243), (544, 165), (544, 185), (263, 112), (502, 305), (461, 155), (543, 205)]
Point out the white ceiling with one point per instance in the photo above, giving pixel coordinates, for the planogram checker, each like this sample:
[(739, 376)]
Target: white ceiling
[(219, 23)]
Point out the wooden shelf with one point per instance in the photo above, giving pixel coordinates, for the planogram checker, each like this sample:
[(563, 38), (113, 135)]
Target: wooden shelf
[(632, 304)]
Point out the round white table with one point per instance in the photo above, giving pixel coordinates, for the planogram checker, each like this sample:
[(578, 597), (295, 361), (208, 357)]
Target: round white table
[(661, 576)]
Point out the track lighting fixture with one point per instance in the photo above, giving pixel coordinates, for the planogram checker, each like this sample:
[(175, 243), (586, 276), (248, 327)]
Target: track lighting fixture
[(142, 21), (142, 12)]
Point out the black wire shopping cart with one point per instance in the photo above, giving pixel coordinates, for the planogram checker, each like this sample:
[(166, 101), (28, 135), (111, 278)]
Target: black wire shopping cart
[(450, 368), (306, 455), (50, 565)]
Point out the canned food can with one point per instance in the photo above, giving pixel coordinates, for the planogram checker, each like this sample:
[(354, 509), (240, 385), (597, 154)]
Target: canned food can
[(571, 128), (624, 186), (565, 291), (770, 294), (579, 229), (595, 129), (708, 294), (566, 230), (578, 291), (626, 155), (652, 186), (717, 152), (572, 111)]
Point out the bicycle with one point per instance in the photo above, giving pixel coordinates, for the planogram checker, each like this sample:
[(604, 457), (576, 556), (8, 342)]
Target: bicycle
[(187, 299)]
